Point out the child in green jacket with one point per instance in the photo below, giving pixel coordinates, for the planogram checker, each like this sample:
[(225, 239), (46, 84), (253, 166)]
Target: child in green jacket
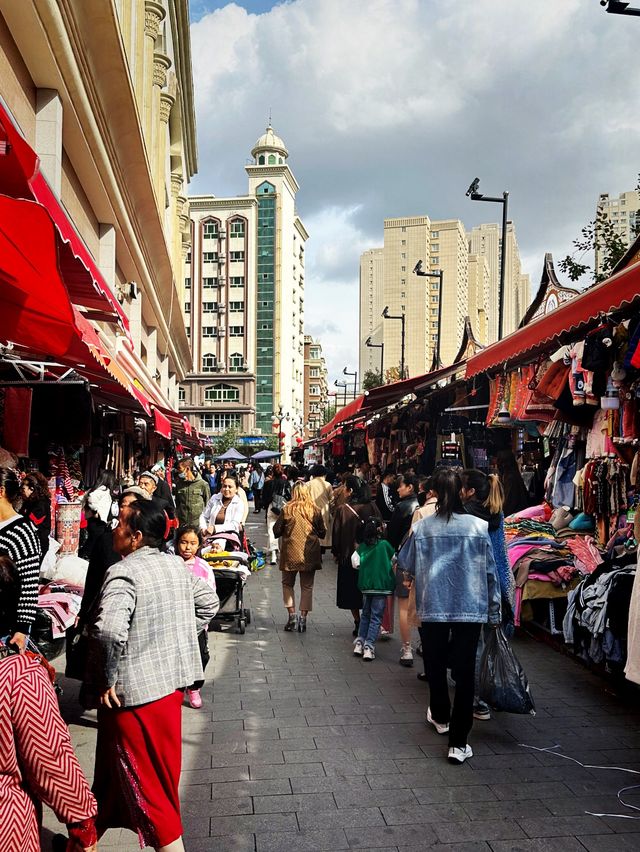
[(376, 581)]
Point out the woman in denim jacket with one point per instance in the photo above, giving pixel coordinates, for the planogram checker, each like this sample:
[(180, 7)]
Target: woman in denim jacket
[(451, 559)]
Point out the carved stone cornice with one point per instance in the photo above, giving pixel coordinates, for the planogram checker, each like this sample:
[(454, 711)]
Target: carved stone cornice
[(181, 202), (176, 184), (161, 65), (166, 103), (154, 14)]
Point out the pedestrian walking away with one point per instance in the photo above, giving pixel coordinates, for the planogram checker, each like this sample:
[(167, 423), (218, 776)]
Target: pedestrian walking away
[(376, 581), (450, 558), (348, 523), (301, 528), (143, 654), (397, 529), (321, 493), (277, 492)]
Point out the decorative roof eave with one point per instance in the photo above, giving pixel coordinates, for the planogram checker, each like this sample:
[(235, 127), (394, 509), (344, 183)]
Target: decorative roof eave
[(632, 255), (469, 345), (548, 279)]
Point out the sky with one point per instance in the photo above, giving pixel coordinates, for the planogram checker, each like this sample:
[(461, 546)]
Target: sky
[(391, 108)]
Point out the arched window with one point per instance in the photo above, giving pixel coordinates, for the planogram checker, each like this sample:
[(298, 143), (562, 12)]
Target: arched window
[(222, 393), (236, 228), (272, 159), (236, 363), (209, 363), (261, 160)]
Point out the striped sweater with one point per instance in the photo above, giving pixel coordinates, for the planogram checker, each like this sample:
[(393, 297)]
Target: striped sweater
[(19, 541)]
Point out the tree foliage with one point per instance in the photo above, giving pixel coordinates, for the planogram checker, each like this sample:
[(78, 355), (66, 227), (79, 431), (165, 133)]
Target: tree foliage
[(372, 379), (225, 440), (599, 237)]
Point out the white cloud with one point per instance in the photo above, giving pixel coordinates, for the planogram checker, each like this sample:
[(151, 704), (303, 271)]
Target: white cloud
[(391, 107)]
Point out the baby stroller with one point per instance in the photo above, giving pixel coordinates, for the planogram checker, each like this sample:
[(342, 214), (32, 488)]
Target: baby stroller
[(231, 569)]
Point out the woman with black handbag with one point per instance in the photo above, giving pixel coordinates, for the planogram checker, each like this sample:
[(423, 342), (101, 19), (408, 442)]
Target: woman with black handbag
[(278, 494)]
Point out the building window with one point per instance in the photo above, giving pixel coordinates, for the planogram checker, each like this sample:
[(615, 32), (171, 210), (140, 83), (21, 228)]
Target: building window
[(209, 331), (403, 229), (435, 247), (434, 312), (314, 372), (188, 257), (210, 230), (314, 390), (315, 353), (236, 281), (404, 242), (188, 333), (236, 306), (272, 159), (237, 229), (237, 255), (209, 307), (434, 298), (219, 422), (236, 331), (261, 160), (436, 234), (210, 257), (209, 363), (187, 283), (435, 261), (209, 283), (222, 393), (181, 395), (236, 363)]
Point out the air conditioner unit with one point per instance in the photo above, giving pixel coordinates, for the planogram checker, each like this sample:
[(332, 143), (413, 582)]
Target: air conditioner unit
[(221, 330), (222, 234), (222, 308), (222, 259)]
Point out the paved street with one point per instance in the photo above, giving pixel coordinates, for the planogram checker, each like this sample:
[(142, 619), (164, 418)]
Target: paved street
[(300, 746)]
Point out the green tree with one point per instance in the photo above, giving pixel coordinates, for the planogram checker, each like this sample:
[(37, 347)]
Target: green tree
[(224, 441), (372, 379), (598, 236), (271, 442), (394, 374), (329, 413)]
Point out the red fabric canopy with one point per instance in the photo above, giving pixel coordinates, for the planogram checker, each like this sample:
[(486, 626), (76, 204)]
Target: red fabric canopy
[(346, 413), (20, 178), (574, 318), (162, 424)]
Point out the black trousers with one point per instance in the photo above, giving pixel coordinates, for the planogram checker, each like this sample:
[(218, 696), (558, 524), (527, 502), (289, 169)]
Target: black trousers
[(454, 646), (257, 499)]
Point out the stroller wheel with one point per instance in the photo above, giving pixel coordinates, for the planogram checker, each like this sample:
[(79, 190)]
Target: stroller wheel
[(247, 615), (242, 624)]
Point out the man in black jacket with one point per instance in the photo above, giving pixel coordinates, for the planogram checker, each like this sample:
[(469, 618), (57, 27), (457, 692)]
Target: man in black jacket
[(397, 529), (385, 496)]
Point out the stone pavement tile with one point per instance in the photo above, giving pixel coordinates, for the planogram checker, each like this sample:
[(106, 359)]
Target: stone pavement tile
[(490, 830), (208, 776), (215, 807), (229, 843), (245, 736), (320, 755), (549, 844), (516, 809), (622, 826), (251, 759), (376, 837), (291, 770), (195, 791), (577, 805), (366, 798), (287, 732), (301, 841), (329, 784), (414, 814), (265, 746), (532, 790), (344, 818), (442, 794), (255, 824), (197, 826), (392, 752), (274, 787), (609, 842), (293, 803), (420, 779), (556, 826), (360, 767), (321, 719)]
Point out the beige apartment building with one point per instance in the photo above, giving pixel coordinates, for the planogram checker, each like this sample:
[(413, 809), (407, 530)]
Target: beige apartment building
[(623, 212), (371, 305), (243, 304), (485, 241), (103, 92), (479, 297), (316, 386)]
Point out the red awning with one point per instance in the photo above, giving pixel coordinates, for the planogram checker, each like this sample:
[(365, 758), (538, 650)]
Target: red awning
[(571, 320), (385, 395), (162, 424), (346, 413), (20, 178)]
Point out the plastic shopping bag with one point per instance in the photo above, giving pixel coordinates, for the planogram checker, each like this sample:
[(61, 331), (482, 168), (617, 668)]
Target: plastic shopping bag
[(503, 683)]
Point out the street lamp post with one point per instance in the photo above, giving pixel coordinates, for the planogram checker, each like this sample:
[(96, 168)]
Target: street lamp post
[(346, 372), (619, 7), (277, 418), (342, 385), (401, 317), (436, 363), (379, 346), (474, 195)]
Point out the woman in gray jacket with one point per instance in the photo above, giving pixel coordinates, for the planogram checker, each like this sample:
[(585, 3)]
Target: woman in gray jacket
[(450, 555), (144, 652)]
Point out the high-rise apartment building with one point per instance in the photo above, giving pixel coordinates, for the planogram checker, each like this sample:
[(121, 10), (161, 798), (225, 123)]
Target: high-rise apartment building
[(624, 213), (371, 305), (244, 301), (479, 295), (315, 385), (486, 241), (449, 252)]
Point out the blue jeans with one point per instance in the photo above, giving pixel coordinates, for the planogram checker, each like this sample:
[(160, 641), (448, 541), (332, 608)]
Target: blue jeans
[(371, 619)]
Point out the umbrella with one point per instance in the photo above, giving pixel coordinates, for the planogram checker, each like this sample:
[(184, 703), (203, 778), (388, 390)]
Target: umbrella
[(263, 455), (231, 455)]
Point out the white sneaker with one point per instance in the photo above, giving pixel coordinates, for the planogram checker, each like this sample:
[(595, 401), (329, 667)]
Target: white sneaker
[(358, 647), (274, 557), (440, 728), (459, 755), (369, 654), (406, 655), (384, 634)]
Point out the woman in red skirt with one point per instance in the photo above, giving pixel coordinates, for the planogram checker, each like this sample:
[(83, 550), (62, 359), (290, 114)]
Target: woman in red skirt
[(144, 652)]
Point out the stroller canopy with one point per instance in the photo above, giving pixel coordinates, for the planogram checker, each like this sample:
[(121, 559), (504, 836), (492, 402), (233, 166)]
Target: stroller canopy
[(231, 455)]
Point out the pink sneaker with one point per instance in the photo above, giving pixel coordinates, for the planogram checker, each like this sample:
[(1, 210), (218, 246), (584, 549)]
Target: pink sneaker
[(195, 699)]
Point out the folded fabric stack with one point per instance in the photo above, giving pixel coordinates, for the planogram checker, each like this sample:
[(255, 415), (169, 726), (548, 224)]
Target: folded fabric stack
[(60, 603), (548, 552)]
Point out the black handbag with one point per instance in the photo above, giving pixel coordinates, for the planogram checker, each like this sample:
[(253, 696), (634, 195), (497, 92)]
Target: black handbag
[(77, 651)]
